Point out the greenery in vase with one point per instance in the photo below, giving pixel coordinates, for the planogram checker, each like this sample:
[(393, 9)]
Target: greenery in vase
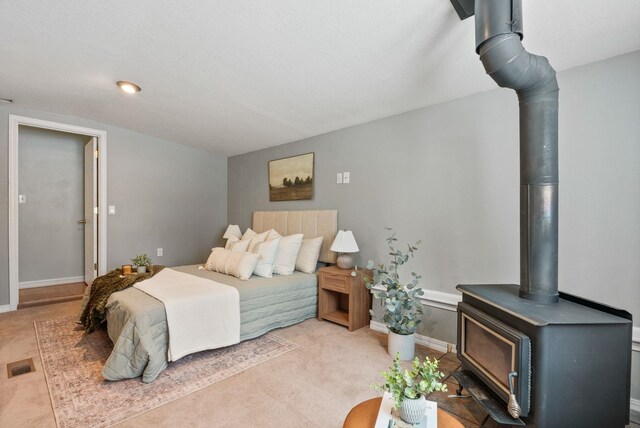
[(422, 379), (400, 302), (142, 260)]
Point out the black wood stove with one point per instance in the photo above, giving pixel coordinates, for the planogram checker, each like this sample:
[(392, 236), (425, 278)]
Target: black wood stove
[(532, 355), (570, 361)]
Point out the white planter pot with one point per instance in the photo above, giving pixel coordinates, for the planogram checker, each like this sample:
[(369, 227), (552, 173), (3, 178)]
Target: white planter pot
[(412, 410), (405, 344), (142, 269)]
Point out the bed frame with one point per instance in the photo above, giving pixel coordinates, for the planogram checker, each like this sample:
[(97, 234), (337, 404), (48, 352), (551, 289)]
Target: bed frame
[(310, 223)]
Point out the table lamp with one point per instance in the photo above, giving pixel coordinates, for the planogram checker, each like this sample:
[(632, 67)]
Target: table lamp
[(344, 245), (232, 230)]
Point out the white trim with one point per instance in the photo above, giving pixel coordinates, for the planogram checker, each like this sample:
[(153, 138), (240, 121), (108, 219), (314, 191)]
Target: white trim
[(635, 344), (441, 300), (438, 345), (49, 282), (436, 299), (14, 124), (6, 308), (635, 408)]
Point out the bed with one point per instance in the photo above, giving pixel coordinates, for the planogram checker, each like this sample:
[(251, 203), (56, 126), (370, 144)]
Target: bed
[(136, 321)]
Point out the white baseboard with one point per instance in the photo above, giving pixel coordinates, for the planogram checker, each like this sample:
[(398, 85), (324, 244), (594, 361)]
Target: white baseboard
[(635, 410), (438, 345), (6, 308), (48, 282)]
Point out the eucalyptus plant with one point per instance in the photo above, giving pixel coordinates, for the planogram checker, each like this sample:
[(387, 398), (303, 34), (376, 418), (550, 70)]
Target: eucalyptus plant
[(141, 260), (400, 302), (422, 379)]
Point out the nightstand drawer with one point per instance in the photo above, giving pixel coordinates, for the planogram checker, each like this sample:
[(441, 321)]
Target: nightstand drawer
[(335, 282)]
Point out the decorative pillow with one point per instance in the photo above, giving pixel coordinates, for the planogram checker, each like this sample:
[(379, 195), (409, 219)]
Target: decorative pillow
[(230, 242), (309, 254), (266, 252), (240, 265), (241, 246), (273, 234), (288, 251), (248, 234), (256, 240)]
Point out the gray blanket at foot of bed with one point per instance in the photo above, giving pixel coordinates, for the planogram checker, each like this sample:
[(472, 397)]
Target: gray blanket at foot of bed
[(137, 323)]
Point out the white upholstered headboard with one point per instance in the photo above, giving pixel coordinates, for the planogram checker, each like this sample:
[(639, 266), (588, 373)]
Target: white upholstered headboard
[(310, 223)]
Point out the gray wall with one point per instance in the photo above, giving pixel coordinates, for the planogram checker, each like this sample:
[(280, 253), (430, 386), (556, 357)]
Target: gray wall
[(448, 175), (51, 175), (166, 195)]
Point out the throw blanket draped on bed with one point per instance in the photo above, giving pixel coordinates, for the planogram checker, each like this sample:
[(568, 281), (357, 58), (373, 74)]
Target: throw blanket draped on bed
[(103, 286), (201, 314)]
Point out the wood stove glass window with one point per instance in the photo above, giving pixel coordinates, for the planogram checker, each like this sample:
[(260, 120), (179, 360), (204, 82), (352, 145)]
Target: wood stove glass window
[(492, 353)]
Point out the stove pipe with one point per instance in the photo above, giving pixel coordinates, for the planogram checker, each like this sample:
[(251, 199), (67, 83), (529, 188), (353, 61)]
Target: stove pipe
[(498, 35)]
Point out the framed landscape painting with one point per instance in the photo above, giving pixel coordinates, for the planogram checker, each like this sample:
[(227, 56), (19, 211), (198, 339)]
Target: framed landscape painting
[(291, 179)]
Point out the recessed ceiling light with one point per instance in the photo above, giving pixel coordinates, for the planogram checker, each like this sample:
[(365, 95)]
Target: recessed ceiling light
[(128, 87), (5, 100)]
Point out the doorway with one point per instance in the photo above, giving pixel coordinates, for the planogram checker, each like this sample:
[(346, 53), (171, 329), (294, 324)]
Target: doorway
[(78, 207)]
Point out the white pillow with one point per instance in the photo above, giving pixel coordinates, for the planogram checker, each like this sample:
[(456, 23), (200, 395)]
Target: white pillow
[(273, 234), (288, 251), (309, 254), (240, 246), (248, 234), (266, 252), (256, 240), (230, 242), (240, 265)]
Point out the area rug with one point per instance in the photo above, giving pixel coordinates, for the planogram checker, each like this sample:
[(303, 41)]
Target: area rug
[(72, 363)]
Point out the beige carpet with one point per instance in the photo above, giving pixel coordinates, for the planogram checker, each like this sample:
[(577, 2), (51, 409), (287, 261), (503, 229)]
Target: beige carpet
[(72, 362)]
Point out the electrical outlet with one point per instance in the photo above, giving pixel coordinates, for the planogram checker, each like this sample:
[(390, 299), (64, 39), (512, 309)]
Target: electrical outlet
[(346, 178), (339, 178), (160, 251), (112, 209)]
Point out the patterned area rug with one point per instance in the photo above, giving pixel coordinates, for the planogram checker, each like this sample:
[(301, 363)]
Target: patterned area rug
[(80, 397)]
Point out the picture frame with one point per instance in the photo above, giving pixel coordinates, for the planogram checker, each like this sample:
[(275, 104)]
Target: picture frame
[(291, 178)]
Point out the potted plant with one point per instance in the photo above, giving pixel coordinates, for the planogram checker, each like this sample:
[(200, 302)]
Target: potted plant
[(409, 387), (400, 302), (141, 263)]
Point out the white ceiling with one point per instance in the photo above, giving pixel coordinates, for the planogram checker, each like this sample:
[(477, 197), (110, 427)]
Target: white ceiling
[(240, 75)]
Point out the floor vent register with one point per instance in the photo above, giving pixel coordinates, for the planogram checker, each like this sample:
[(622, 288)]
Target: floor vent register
[(21, 367)]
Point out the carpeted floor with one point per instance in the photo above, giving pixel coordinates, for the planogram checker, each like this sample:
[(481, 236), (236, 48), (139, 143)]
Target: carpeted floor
[(314, 385), (73, 361)]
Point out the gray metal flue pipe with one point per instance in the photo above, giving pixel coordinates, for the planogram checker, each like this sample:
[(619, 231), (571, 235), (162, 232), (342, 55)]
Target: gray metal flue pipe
[(498, 42)]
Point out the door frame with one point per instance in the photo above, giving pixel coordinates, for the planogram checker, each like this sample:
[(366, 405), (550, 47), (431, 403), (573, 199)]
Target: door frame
[(14, 127)]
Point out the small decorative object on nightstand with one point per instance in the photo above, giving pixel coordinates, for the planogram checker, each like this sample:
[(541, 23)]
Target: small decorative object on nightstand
[(232, 230), (141, 262), (345, 244), (343, 297)]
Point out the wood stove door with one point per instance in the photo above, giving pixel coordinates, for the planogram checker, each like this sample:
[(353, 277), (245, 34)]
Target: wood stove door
[(491, 350)]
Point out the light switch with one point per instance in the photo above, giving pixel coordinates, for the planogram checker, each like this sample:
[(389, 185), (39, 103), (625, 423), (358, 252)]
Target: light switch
[(339, 178), (112, 209), (346, 179), (22, 199), (159, 253)]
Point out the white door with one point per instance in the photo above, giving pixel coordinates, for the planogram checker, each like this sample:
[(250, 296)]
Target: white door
[(90, 211)]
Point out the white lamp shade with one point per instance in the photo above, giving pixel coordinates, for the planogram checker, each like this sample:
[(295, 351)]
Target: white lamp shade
[(232, 230), (345, 242)]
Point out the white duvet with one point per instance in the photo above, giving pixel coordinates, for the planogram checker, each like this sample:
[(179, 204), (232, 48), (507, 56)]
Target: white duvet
[(201, 314)]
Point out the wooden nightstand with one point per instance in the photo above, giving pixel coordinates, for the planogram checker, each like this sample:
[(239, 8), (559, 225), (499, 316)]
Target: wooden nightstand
[(343, 297)]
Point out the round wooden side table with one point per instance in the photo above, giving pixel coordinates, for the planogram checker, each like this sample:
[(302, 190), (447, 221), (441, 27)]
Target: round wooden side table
[(364, 415)]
